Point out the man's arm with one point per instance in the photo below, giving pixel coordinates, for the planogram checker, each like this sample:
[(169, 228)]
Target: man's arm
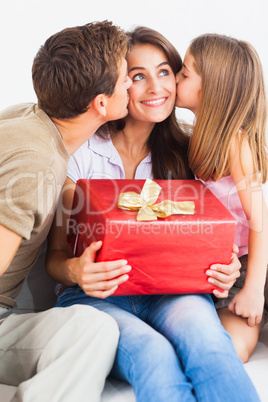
[(9, 244), (97, 279)]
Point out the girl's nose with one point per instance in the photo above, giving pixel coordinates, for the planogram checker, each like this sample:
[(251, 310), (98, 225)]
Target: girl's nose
[(128, 82)]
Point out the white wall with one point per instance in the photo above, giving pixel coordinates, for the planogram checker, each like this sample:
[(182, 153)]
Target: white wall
[(26, 24)]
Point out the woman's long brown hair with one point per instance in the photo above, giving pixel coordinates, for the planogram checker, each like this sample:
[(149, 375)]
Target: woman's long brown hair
[(167, 142)]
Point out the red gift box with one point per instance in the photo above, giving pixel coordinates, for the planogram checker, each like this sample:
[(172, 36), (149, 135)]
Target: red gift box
[(168, 255)]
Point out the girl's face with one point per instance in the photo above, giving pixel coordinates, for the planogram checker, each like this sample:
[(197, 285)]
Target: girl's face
[(153, 92), (189, 86)]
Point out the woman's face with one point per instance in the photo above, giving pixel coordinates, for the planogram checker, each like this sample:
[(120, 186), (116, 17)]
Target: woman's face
[(153, 92), (189, 86)]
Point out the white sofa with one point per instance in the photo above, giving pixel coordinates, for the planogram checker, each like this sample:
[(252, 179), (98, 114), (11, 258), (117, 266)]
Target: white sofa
[(38, 294)]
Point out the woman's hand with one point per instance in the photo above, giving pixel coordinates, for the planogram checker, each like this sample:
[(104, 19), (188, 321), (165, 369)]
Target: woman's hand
[(224, 276), (98, 279)]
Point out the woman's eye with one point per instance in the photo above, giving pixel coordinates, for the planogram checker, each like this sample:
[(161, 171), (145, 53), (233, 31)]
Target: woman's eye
[(137, 77), (164, 73), (183, 75)]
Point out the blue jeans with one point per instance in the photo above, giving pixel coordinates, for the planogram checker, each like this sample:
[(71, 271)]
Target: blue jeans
[(172, 348)]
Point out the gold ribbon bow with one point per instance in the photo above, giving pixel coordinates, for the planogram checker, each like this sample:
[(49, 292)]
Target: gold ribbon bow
[(145, 203)]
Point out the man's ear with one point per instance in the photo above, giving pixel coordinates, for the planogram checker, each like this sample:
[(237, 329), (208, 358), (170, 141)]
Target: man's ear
[(100, 104)]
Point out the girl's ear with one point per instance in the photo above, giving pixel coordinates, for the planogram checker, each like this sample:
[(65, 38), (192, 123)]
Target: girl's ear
[(100, 104)]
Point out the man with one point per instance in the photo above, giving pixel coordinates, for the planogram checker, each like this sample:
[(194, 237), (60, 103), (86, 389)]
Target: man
[(80, 79)]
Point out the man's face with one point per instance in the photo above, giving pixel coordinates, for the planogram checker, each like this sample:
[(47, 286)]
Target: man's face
[(118, 102)]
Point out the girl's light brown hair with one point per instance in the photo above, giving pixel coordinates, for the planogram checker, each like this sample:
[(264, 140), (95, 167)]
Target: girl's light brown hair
[(233, 100)]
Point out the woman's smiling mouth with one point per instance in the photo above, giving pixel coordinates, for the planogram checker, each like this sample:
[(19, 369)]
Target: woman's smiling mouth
[(155, 102)]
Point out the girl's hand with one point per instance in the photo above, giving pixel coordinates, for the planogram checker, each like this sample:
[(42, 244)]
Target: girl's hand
[(224, 276), (98, 279), (248, 303)]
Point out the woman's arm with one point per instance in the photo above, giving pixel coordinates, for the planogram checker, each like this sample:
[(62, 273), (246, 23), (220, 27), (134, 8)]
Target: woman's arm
[(96, 279)]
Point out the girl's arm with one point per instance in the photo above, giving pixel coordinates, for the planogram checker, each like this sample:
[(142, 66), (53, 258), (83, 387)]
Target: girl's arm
[(250, 300)]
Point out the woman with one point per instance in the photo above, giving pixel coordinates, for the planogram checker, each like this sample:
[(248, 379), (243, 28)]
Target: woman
[(169, 344)]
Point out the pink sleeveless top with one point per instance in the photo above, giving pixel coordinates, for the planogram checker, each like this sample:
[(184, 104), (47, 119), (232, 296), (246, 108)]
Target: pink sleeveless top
[(225, 190)]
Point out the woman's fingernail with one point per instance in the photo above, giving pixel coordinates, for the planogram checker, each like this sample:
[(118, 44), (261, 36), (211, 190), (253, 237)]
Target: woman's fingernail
[(209, 273), (210, 280), (214, 267)]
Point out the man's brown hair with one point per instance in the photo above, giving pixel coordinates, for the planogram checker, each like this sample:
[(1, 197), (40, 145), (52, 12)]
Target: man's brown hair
[(77, 64)]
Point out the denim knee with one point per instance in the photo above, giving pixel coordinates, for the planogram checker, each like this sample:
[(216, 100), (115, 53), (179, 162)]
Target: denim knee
[(152, 367)]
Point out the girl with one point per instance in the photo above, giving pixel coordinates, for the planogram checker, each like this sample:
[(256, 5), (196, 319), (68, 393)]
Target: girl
[(169, 344), (221, 82)]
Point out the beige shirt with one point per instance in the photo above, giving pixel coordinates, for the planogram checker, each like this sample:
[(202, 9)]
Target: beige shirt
[(33, 164)]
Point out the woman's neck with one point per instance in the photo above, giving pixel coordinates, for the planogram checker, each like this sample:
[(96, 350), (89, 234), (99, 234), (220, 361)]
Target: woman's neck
[(133, 138), (131, 144)]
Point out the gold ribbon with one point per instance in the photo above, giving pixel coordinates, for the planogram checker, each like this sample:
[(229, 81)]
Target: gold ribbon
[(145, 203)]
